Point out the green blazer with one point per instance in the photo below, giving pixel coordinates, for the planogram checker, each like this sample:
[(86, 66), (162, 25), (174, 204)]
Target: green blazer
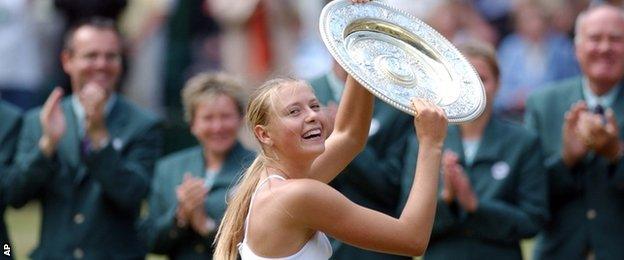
[(10, 117), (90, 202), (162, 234), (508, 177), (587, 201), (373, 178)]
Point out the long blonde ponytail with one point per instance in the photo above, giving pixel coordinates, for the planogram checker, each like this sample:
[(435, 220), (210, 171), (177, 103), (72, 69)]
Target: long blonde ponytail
[(231, 229)]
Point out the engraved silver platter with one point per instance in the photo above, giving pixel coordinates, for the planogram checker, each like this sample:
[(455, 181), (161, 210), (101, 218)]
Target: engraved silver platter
[(398, 57)]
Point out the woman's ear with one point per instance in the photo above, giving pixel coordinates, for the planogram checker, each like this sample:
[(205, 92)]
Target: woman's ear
[(262, 134)]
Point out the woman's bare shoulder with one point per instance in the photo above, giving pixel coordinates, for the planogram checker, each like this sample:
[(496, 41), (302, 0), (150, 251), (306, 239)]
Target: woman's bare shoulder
[(304, 188), (307, 197)]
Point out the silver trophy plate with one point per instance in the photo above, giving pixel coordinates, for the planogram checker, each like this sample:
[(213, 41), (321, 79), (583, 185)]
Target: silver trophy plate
[(398, 57)]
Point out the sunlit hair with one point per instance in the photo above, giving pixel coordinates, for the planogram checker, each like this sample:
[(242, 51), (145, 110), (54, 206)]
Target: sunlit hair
[(581, 18), (208, 86), (481, 50), (260, 111)]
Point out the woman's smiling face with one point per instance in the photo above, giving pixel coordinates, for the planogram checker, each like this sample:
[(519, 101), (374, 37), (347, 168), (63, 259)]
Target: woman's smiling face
[(297, 127), (216, 122)]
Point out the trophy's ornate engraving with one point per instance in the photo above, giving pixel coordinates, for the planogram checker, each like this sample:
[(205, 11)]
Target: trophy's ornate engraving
[(398, 57)]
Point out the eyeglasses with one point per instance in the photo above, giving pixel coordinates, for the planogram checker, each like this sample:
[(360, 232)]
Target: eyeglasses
[(91, 57)]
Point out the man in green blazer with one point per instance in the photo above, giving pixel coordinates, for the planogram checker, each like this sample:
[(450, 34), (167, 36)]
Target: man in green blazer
[(10, 117), (583, 144), (373, 178), (88, 158)]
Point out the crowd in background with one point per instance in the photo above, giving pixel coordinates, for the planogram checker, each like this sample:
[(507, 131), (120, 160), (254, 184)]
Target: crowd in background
[(170, 44), (168, 41)]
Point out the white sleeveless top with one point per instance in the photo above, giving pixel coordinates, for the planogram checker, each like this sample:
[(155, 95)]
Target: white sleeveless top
[(318, 247)]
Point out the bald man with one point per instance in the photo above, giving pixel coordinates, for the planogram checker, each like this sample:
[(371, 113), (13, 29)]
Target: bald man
[(580, 122)]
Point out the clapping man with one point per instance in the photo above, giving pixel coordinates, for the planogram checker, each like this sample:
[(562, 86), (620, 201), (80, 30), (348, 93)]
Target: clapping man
[(579, 122), (88, 157)]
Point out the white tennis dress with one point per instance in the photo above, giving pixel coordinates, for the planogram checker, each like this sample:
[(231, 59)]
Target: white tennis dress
[(317, 248)]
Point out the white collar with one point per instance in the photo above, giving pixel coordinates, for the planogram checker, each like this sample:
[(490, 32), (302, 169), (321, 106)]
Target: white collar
[(605, 100)]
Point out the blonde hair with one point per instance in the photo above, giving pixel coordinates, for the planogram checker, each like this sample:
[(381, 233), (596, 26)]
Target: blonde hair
[(231, 230), (210, 85), (481, 50)]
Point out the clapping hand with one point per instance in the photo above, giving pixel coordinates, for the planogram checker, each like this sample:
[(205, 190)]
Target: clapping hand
[(202, 223), (449, 160), (574, 148), (457, 182), (600, 133), (52, 121), (463, 191), (190, 194), (93, 99)]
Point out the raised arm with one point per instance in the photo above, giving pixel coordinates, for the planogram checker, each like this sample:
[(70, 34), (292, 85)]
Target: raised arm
[(350, 132), (322, 208)]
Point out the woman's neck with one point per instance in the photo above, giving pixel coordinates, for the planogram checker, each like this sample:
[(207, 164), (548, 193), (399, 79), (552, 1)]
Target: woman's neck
[(475, 129), (213, 160), (290, 168)]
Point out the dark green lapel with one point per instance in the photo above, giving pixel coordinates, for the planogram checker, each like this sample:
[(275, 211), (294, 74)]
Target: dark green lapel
[(236, 161), (576, 93), (69, 148), (488, 149), (117, 123), (567, 94), (8, 115), (192, 162), (618, 106), (9, 131), (454, 142), (195, 164), (487, 146)]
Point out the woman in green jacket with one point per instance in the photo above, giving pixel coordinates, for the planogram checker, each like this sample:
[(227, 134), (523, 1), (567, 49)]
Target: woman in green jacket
[(493, 190), (191, 186)]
